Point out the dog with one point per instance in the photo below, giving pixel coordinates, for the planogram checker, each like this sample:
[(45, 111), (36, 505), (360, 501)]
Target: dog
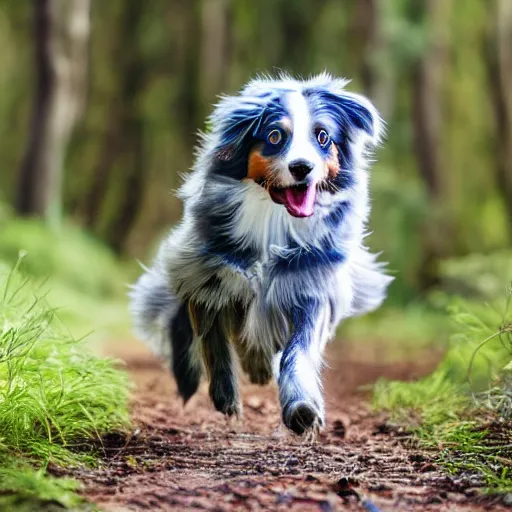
[(269, 256)]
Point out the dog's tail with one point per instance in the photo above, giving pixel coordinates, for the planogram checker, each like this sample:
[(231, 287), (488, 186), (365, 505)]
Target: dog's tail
[(163, 322), (153, 305)]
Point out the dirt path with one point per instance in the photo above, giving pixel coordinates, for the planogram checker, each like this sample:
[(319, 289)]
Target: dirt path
[(195, 459)]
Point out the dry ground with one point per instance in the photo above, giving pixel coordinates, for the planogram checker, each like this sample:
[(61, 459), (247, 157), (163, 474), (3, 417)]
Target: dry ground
[(194, 459)]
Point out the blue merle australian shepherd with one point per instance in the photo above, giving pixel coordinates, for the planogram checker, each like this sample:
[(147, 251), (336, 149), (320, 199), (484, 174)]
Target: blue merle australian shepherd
[(269, 256)]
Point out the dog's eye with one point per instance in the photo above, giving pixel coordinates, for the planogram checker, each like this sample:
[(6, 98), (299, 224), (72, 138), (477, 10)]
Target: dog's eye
[(274, 137), (323, 138)]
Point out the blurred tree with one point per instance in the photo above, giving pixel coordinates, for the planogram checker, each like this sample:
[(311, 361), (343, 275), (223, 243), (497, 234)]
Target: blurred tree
[(370, 52), (121, 168), (189, 108), (216, 43), (442, 181), (298, 24), (365, 33), (60, 38), (427, 75), (498, 56)]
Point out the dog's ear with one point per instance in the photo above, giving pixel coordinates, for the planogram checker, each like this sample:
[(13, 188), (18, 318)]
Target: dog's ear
[(362, 116), (353, 115), (234, 119)]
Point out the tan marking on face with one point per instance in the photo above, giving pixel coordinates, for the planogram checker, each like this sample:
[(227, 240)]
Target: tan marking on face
[(332, 166), (258, 167)]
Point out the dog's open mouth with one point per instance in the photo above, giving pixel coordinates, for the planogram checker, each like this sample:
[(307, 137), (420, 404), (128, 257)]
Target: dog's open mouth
[(299, 200)]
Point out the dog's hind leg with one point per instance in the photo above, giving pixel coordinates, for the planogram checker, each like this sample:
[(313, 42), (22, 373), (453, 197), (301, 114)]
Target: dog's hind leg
[(186, 360), (256, 363), (214, 329), (163, 321), (300, 388), (257, 344)]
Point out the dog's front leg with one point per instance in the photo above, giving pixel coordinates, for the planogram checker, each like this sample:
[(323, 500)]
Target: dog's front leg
[(300, 387), (213, 327)]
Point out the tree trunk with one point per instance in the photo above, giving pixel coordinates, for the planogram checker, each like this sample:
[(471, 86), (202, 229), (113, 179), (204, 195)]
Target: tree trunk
[(30, 197), (215, 49), (190, 112), (94, 195), (61, 34), (375, 66), (122, 160), (297, 26), (427, 88), (498, 58), (427, 107)]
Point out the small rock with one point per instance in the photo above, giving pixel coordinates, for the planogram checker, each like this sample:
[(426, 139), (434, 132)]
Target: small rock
[(427, 467), (416, 457), (344, 488), (254, 402), (338, 428)]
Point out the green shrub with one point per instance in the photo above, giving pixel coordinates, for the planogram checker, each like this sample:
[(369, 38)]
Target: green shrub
[(464, 408), (478, 276), (68, 255), (56, 399)]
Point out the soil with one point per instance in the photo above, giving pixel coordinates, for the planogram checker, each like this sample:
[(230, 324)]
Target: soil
[(192, 458)]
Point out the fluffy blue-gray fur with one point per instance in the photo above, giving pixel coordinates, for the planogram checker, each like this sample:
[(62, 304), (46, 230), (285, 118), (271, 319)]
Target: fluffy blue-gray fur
[(260, 285)]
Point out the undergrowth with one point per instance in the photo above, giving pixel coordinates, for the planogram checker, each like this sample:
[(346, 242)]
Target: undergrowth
[(69, 254), (463, 409), (81, 276), (25, 489), (56, 399)]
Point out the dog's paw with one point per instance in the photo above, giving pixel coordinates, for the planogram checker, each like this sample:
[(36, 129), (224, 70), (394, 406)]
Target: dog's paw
[(187, 378), (302, 417), (227, 407), (224, 395)]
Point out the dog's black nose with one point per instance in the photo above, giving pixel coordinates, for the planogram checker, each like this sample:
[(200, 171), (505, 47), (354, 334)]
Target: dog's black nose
[(299, 169)]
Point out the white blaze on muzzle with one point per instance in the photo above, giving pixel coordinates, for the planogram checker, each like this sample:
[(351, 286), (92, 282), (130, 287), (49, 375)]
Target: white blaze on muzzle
[(298, 192), (303, 145)]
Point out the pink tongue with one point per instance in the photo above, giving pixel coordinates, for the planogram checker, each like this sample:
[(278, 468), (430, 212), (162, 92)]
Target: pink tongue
[(300, 203)]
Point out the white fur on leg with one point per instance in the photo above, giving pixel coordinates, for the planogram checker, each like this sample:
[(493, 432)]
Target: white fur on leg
[(301, 382), (307, 376)]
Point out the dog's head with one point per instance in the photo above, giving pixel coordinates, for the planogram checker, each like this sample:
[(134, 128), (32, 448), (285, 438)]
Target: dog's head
[(297, 139)]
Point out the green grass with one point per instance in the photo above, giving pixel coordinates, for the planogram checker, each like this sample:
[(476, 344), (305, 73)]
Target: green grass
[(56, 399), (463, 410)]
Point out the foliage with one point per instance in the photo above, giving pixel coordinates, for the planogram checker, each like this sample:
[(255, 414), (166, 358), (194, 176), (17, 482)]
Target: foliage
[(147, 62), (401, 332), (478, 276), (24, 489), (56, 399), (73, 257), (79, 275), (463, 409)]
